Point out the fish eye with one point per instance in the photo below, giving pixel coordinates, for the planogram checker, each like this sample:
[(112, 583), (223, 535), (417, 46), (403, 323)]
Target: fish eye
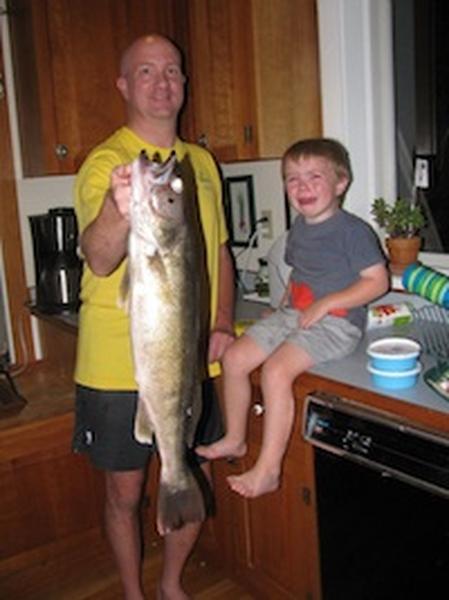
[(177, 185)]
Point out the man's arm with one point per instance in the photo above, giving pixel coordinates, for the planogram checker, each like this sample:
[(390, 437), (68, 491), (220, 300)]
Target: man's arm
[(222, 333), (373, 282), (104, 241)]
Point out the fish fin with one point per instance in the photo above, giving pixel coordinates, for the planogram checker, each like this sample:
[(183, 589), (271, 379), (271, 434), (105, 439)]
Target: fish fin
[(180, 506), (194, 415), (143, 427), (123, 295)]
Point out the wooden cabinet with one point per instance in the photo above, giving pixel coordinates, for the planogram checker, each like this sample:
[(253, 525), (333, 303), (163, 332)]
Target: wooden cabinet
[(270, 543), (66, 55), (220, 66), (254, 75)]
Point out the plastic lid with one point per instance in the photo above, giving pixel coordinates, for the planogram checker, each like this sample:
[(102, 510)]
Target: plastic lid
[(394, 347)]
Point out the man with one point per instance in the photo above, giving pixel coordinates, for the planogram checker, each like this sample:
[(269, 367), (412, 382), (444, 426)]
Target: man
[(152, 83)]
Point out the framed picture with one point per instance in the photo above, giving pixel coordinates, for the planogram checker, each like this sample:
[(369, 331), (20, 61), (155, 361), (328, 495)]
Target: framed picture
[(239, 206)]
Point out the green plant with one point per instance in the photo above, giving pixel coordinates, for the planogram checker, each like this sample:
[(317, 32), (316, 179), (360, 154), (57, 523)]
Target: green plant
[(402, 219)]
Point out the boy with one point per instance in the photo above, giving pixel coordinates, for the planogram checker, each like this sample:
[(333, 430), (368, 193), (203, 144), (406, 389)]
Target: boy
[(337, 268)]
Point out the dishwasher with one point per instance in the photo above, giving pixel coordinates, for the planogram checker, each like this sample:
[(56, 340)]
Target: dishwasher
[(382, 491)]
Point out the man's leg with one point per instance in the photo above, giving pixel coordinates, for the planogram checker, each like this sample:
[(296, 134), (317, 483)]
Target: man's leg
[(239, 360), (122, 520), (178, 546)]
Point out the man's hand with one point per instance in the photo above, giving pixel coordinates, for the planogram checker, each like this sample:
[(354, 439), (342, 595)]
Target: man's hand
[(219, 342), (121, 189), (104, 241)]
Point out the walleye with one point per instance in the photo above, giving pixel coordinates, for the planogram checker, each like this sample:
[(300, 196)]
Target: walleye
[(166, 271)]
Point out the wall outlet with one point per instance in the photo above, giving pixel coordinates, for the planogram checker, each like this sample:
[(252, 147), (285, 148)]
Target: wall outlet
[(422, 173), (266, 227)]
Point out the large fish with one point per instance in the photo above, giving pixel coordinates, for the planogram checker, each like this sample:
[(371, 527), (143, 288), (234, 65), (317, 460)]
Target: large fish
[(166, 299)]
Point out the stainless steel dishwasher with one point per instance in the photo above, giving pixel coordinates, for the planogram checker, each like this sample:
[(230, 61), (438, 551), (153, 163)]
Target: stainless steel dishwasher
[(382, 501)]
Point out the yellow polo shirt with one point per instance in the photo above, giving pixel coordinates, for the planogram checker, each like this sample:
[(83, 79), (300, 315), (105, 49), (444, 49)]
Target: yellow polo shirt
[(104, 359)]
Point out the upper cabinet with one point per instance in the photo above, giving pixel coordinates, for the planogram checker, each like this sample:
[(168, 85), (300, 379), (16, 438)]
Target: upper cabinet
[(221, 73), (254, 75), (65, 56), (253, 85)]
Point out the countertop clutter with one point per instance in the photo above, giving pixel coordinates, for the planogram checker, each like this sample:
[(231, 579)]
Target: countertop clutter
[(352, 369)]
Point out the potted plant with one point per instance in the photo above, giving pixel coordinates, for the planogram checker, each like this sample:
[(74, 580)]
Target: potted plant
[(402, 222)]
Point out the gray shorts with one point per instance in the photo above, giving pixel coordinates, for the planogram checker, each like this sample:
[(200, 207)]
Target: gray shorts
[(104, 423), (330, 338)]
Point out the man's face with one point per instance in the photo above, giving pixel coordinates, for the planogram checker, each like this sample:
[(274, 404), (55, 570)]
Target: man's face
[(313, 187), (152, 81)]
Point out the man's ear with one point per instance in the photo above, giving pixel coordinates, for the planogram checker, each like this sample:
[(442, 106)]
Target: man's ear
[(122, 86)]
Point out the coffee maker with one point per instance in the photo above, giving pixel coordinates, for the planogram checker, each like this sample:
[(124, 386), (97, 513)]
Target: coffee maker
[(57, 264)]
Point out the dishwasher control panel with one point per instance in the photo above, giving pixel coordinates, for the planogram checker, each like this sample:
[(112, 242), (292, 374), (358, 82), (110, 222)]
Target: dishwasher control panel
[(372, 438)]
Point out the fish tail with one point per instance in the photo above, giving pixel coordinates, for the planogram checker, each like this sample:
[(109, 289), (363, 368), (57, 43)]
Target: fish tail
[(176, 507)]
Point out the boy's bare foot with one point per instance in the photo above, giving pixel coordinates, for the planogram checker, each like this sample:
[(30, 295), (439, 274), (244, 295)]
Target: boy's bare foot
[(224, 448), (254, 483)]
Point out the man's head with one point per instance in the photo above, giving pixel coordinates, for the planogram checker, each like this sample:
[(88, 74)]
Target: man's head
[(151, 80), (317, 173)]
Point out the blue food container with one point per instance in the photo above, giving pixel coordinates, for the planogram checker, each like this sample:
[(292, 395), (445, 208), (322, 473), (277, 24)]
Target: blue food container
[(394, 354), (394, 380)]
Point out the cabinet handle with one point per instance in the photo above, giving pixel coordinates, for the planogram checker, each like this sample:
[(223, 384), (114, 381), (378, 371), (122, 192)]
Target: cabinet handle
[(61, 151), (202, 140), (258, 409), (2, 88), (248, 134)]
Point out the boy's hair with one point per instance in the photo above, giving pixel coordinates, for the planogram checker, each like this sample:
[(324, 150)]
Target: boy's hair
[(328, 148)]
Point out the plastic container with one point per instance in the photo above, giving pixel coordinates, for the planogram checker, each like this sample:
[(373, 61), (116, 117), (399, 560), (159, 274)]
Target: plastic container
[(385, 315), (394, 354), (394, 380)]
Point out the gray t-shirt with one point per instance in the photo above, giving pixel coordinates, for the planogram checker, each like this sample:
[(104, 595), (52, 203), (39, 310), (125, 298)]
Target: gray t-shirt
[(328, 256)]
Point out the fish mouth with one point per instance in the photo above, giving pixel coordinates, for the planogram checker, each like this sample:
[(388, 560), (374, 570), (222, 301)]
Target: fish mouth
[(160, 170)]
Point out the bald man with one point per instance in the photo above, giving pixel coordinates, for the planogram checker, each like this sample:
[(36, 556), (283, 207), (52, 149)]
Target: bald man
[(151, 82)]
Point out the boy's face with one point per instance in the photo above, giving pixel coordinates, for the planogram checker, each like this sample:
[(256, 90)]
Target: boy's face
[(313, 187)]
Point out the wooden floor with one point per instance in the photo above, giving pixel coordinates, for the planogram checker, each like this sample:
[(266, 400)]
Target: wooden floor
[(83, 570)]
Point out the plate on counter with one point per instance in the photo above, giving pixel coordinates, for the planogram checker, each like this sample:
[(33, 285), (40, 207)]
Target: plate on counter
[(438, 379)]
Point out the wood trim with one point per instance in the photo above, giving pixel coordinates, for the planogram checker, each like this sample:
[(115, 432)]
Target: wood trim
[(11, 242)]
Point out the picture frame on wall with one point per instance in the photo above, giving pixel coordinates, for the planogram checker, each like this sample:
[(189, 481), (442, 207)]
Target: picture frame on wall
[(240, 210)]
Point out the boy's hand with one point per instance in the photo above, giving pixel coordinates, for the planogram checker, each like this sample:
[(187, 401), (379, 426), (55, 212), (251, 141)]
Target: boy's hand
[(120, 189), (314, 313)]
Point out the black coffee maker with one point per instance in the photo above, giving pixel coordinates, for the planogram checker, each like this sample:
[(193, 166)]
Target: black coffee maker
[(57, 264)]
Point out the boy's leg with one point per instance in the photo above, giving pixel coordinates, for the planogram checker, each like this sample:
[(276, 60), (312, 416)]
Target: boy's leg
[(278, 374), (238, 361)]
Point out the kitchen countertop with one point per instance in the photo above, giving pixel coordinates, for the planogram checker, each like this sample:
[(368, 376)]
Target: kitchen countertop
[(352, 369)]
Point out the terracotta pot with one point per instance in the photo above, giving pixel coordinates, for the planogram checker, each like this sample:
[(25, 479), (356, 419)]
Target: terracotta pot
[(402, 252)]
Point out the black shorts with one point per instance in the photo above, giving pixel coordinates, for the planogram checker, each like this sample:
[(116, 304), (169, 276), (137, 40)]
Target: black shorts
[(104, 423)]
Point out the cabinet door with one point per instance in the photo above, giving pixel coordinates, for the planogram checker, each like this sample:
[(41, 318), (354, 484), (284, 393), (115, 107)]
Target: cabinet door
[(282, 546), (254, 75), (270, 542), (286, 73), (66, 55), (220, 67)]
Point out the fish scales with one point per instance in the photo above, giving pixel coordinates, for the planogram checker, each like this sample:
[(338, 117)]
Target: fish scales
[(166, 299)]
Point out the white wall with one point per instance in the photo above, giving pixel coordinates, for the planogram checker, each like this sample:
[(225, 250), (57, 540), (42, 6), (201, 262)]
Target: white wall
[(268, 194)]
